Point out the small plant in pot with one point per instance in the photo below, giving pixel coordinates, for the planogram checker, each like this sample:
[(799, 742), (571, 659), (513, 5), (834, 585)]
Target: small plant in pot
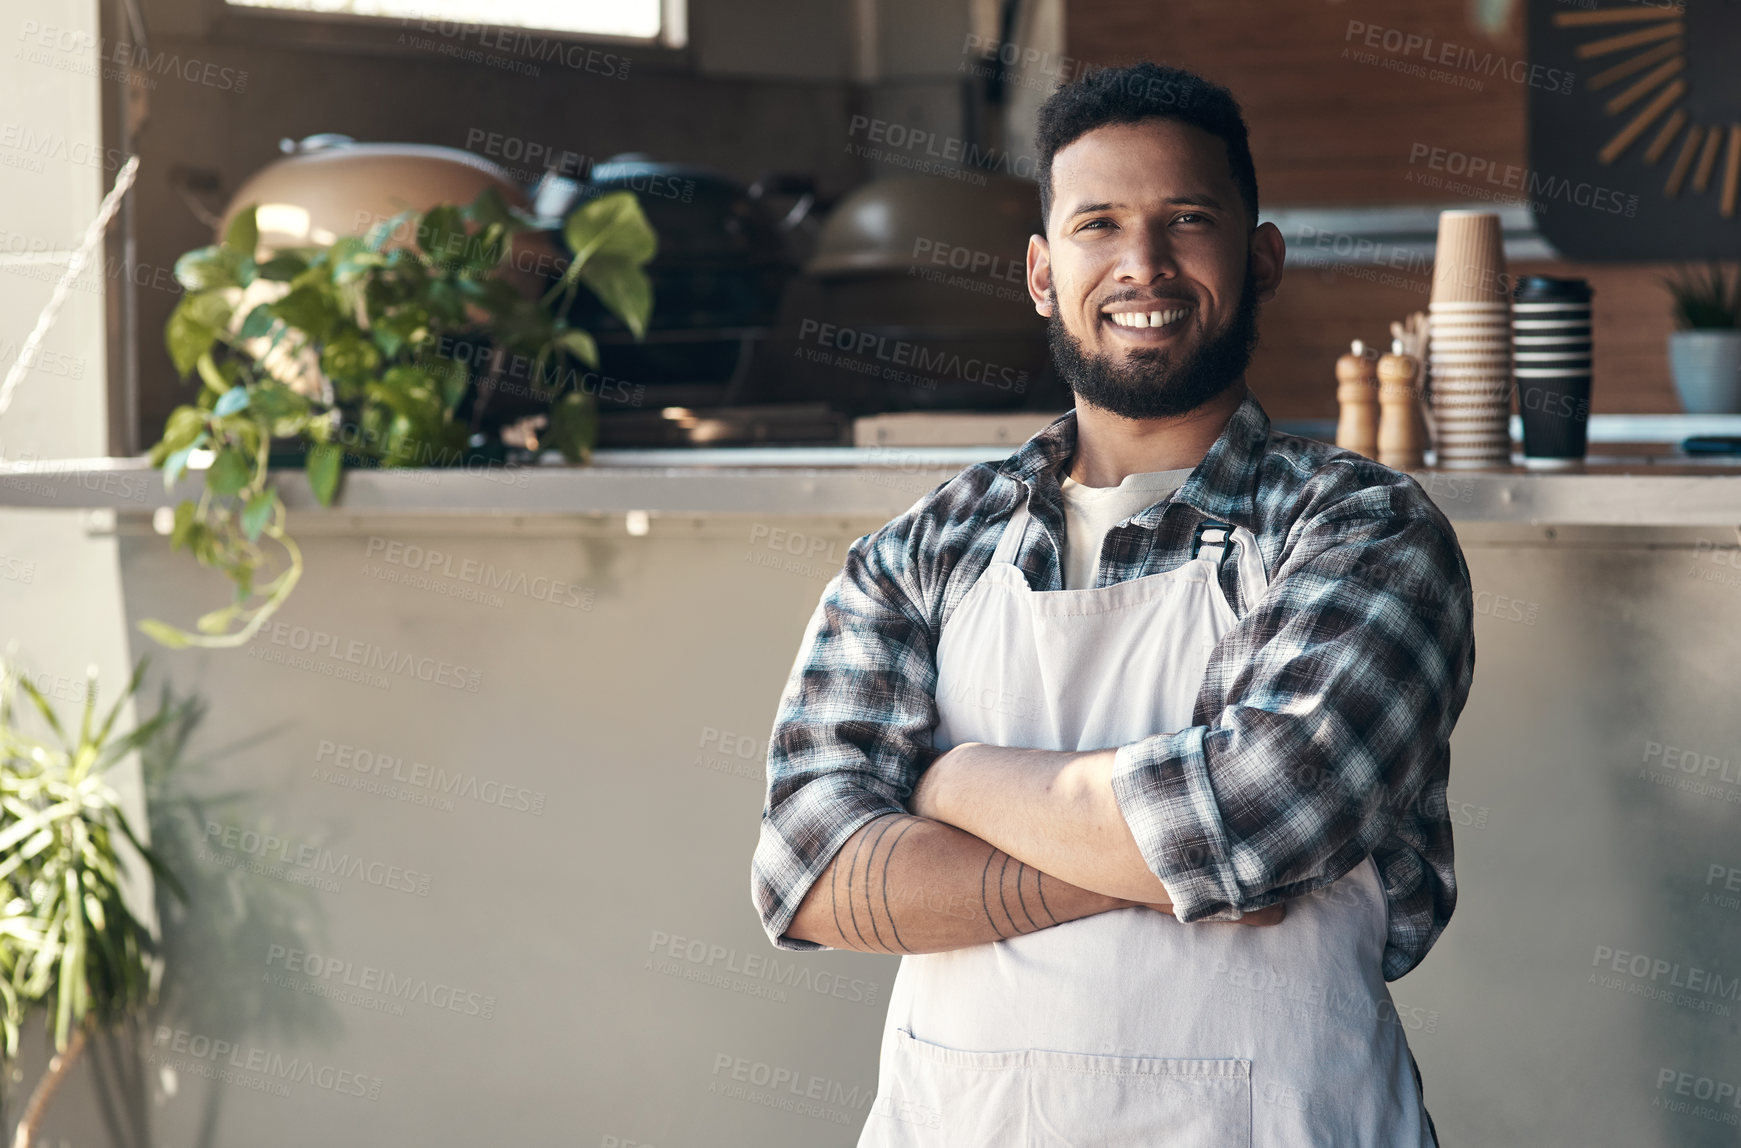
[(345, 354), (1705, 353)]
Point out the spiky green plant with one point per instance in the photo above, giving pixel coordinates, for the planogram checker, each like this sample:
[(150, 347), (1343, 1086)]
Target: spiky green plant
[(1711, 301), (69, 943)]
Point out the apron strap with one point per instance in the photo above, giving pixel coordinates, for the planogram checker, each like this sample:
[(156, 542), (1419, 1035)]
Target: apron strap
[(1211, 541), (1212, 535), (1009, 543)]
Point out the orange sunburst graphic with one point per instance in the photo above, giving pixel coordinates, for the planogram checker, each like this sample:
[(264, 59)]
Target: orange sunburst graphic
[(1654, 43)]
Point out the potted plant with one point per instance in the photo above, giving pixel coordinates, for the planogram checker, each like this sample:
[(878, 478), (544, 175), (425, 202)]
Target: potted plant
[(1705, 353), (344, 353), (69, 943)]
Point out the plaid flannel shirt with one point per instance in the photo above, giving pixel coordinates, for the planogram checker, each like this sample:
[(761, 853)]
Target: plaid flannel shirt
[(1322, 725)]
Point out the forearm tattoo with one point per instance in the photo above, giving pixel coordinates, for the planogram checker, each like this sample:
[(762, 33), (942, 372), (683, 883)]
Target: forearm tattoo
[(1012, 895)]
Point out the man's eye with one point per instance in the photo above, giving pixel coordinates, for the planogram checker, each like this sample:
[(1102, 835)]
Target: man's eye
[(1092, 222), (1192, 217)]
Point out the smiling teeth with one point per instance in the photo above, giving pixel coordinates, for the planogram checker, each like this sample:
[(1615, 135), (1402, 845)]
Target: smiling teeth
[(1148, 318)]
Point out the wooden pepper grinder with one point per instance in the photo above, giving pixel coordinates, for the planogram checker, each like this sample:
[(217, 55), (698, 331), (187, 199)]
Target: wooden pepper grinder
[(1402, 432), (1357, 391)]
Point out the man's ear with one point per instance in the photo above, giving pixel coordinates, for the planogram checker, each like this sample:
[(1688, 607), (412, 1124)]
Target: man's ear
[(1269, 251), (1040, 274)]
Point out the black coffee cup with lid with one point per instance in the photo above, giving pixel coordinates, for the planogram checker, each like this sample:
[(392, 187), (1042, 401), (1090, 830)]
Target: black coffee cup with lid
[(1551, 350)]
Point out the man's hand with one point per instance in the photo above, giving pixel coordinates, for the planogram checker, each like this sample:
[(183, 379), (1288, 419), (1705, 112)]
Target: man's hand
[(1262, 917)]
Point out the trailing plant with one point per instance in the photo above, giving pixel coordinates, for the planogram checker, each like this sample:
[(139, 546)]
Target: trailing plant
[(1711, 301), (348, 350), (68, 941)]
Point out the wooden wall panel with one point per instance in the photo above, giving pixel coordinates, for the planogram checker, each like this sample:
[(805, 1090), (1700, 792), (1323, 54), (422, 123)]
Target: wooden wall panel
[(1334, 122), (1327, 127)]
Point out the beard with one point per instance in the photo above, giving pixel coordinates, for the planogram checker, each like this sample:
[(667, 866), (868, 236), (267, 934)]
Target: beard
[(1155, 382)]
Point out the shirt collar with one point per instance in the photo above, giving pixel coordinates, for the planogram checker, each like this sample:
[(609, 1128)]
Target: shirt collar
[(1223, 485)]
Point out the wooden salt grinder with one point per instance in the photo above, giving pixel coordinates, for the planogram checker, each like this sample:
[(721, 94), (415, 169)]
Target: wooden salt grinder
[(1357, 391), (1402, 432)]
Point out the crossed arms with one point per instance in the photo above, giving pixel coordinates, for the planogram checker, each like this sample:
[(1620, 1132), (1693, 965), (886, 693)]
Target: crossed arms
[(979, 857)]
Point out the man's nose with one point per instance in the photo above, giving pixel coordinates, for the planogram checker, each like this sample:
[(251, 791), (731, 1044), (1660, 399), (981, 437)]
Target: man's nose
[(1146, 257)]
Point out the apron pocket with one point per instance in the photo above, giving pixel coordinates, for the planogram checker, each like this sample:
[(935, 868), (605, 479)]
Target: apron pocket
[(1036, 1098)]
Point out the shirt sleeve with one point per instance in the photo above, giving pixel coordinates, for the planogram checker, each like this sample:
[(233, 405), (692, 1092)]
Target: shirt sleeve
[(853, 731), (1325, 721)]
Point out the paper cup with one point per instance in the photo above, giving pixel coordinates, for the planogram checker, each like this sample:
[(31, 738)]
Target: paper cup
[(1469, 259)]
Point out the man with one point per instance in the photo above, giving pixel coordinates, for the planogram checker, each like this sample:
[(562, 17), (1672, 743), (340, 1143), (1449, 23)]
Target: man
[(1158, 670)]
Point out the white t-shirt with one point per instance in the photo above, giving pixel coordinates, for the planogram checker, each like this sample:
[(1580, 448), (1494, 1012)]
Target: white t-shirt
[(1090, 511)]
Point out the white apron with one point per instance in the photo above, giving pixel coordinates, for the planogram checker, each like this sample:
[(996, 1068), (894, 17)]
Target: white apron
[(1127, 1027)]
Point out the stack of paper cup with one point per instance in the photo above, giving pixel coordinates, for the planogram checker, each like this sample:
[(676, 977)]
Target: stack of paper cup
[(1469, 343)]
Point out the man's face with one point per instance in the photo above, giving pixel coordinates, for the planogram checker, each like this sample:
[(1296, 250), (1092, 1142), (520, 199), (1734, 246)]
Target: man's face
[(1150, 272)]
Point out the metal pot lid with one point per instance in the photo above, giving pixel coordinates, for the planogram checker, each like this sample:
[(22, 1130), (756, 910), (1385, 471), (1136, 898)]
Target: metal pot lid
[(922, 221)]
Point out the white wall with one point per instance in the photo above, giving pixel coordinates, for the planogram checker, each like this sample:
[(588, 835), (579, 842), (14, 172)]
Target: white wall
[(60, 600)]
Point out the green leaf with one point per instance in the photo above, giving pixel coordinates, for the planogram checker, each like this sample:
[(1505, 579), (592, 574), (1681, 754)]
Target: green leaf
[(350, 359), (243, 234), (184, 522), (126, 692), (449, 377), (579, 344), (214, 378), (386, 229), (229, 472), (258, 512), (163, 633), (272, 400), (188, 334), (485, 249), (208, 268), (611, 226), (282, 267), (258, 323), (309, 309), (217, 621), (21, 829), (444, 302), (357, 265), (574, 426), (182, 427), (404, 326), (324, 461), (623, 288), (488, 208), (408, 391), (176, 463), (441, 234)]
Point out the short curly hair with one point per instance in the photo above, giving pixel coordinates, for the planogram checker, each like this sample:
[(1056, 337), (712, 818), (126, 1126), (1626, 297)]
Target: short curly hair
[(1128, 94)]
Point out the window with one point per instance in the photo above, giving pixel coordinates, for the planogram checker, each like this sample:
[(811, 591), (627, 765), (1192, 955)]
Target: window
[(653, 21)]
